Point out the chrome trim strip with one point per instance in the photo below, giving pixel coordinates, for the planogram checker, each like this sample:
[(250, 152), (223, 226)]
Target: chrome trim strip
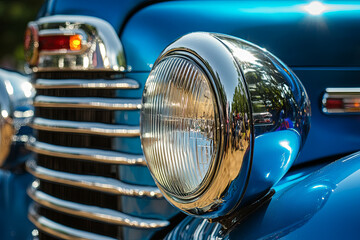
[(86, 128), (350, 98), (124, 83), (96, 155), (93, 212), (343, 90), (102, 184), (101, 49), (84, 102), (61, 231)]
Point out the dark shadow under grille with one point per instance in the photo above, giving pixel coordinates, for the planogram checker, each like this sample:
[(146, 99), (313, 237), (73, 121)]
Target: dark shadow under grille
[(103, 93), (77, 166), (44, 236), (80, 195), (75, 140), (77, 75), (81, 115)]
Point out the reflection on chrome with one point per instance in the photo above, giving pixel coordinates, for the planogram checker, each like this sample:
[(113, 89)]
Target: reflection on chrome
[(262, 109), (97, 155), (341, 101), (100, 50), (16, 112), (92, 212), (102, 184), (123, 83), (87, 102)]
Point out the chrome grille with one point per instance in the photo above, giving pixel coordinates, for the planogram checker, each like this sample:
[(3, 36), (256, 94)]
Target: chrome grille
[(91, 176)]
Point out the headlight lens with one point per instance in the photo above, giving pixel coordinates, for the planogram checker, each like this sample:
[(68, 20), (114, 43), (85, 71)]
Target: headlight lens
[(180, 126)]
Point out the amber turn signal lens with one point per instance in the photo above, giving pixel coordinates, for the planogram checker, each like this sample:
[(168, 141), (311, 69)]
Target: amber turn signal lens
[(75, 42), (60, 42)]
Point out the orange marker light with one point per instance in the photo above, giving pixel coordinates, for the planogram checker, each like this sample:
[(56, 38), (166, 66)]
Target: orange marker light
[(75, 42)]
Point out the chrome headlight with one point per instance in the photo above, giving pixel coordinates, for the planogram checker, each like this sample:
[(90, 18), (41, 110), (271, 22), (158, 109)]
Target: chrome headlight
[(181, 127), (222, 120)]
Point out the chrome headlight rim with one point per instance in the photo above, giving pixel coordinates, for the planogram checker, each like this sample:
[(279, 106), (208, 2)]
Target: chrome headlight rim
[(216, 197), (214, 163)]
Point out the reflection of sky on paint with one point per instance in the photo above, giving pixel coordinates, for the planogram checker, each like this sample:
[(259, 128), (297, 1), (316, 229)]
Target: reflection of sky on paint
[(312, 8)]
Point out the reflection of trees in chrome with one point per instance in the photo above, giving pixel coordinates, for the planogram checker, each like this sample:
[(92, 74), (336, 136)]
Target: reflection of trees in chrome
[(270, 93)]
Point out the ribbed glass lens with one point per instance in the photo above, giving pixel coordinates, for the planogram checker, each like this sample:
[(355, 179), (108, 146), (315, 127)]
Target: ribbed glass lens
[(179, 125)]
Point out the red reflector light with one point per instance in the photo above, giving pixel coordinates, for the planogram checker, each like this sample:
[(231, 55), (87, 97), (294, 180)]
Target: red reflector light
[(334, 103), (59, 42)]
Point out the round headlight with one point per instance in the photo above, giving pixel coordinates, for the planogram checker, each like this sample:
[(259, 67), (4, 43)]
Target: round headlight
[(222, 120), (180, 126)]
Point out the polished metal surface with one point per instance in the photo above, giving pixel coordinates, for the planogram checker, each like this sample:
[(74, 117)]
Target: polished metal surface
[(347, 99), (124, 83), (6, 123), (94, 103), (96, 155), (101, 49), (264, 120), (31, 43), (85, 127), (107, 168), (102, 184), (92, 212), (16, 112), (61, 231)]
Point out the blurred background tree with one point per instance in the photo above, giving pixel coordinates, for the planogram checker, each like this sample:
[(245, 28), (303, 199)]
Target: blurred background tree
[(14, 16)]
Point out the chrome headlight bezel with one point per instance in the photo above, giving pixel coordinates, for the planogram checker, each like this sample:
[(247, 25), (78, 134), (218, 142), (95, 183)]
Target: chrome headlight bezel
[(264, 114), (218, 190)]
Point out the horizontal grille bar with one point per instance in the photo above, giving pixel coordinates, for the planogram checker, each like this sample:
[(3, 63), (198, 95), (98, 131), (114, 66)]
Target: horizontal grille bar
[(61, 231), (97, 155), (93, 182), (86, 127), (83, 102), (92, 212), (80, 83)]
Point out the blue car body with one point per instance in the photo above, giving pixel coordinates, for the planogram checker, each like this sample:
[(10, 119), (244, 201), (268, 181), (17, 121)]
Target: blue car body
[(318, 198)]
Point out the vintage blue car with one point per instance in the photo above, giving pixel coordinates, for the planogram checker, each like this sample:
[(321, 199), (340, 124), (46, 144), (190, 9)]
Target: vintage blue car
[(188, 120)]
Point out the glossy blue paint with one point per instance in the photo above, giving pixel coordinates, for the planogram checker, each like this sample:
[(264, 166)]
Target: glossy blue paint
[(285, 28), (147, 208), (320, 205), (309, 44), (115, 12), (329, 135), (14, 204), (267, 169), (317, 207)]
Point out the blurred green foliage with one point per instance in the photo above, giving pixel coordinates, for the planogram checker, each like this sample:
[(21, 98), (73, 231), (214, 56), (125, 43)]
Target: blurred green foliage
[(14, 16)]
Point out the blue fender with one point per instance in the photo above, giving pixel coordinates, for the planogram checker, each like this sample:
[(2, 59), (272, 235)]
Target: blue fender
[(321, 205)]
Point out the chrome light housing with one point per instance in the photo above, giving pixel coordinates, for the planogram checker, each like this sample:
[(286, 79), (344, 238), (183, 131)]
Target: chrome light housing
[(222, 120), (99, 45)]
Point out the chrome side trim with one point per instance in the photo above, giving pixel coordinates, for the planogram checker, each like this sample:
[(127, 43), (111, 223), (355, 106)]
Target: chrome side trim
[(86, 127), (101, 48), (96, 155), (124, 83), (102, 184), (61, 231), (93, 103), (93, 212), (349, 97)]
